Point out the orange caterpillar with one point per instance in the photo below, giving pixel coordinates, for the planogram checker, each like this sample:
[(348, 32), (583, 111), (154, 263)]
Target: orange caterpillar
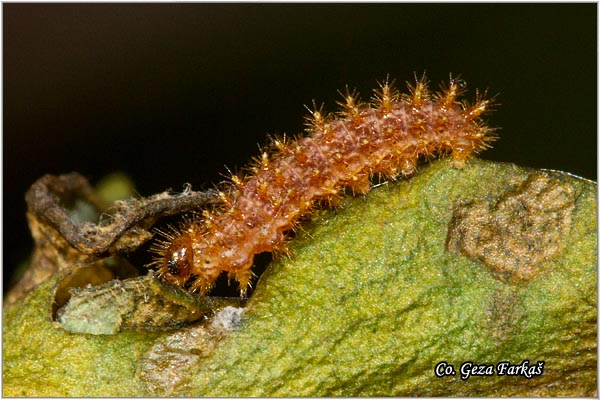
[(386, 137)]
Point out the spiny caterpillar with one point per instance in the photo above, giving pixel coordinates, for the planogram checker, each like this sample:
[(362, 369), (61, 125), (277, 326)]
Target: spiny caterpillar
[(386, 138)]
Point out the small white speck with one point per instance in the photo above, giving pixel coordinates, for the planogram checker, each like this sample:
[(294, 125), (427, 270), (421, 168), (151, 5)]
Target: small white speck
[(228, 319)]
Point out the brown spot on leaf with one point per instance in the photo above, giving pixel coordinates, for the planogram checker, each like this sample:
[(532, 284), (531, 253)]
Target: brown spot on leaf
[(516, 235), (167, 368)]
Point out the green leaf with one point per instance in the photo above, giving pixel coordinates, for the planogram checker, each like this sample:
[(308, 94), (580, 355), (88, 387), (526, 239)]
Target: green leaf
[(377, 293)]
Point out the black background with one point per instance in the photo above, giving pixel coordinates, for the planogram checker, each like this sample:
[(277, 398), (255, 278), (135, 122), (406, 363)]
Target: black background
[(171, 93)]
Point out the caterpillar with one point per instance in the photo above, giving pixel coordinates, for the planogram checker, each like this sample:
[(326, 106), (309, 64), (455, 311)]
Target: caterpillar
[(385, 137)]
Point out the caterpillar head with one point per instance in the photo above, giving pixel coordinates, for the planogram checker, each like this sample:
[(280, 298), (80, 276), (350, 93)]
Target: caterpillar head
[(178, 261), (174, 258), (184, 260)]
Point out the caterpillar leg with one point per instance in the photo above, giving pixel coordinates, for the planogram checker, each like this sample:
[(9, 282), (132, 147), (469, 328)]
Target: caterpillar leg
[(243, 278), (460, 156)]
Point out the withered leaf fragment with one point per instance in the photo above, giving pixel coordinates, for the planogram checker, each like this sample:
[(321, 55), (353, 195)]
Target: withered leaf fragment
[(50, 201), (142, 303), (72, 225)]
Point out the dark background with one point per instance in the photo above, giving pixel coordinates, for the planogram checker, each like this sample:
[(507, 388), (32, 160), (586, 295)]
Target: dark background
[(171, 93)]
